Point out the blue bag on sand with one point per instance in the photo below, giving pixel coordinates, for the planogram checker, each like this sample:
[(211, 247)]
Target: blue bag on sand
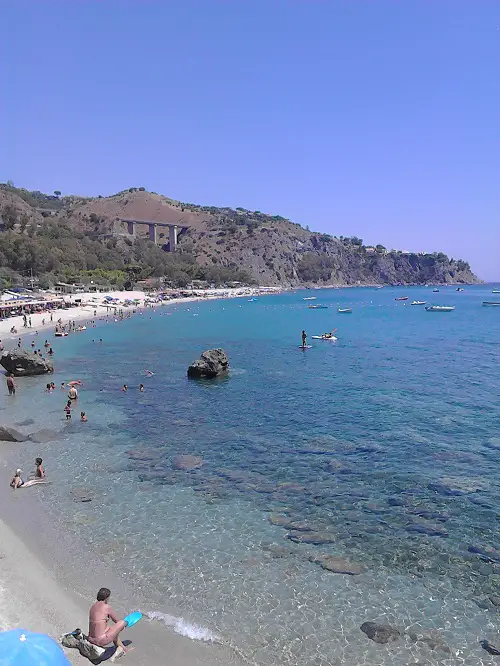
[(19, 647)]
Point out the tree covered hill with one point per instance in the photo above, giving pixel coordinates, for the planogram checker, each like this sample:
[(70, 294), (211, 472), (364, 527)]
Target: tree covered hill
[(75, 238)]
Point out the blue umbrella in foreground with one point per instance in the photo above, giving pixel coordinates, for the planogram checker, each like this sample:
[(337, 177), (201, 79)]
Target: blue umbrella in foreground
[(19, 647)]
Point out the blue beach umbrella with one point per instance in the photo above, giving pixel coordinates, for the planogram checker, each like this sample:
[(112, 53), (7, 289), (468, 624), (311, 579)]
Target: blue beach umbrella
[(19, 647)]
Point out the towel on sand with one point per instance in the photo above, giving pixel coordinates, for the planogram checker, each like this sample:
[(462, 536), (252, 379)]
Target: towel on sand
[(77, 639)]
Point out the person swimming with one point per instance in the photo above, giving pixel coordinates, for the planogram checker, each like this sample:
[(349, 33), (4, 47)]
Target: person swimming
[(141, 388), (124, 388), (83, 417)]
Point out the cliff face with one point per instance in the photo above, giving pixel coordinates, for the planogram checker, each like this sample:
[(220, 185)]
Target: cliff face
[(270, 249)]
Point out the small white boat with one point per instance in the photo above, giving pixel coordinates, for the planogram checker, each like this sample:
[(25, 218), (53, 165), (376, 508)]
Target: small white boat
[(252, 300), (310, 298), (418, 302), (495, 291), (344, 310), (440, 308), (318, 307), (492, 304), (60, 334), (401, 298), (324, 337), (435, 291)]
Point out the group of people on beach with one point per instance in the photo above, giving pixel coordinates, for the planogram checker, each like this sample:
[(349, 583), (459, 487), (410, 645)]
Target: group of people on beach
[(100, 634)]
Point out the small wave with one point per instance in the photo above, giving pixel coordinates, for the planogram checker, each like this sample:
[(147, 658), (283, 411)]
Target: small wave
[(180, 626)]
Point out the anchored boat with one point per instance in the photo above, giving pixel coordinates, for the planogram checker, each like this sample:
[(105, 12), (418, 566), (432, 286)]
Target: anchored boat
[(318, 307), (492, 303), (418, 302), (401, 298), (344, 310)]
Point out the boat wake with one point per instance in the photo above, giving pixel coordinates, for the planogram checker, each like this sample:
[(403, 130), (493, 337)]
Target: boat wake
[(188, 629)]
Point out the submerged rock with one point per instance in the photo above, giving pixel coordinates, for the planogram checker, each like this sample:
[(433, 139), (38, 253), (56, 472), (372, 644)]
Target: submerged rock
[(24, 363), (11, 435), (187, 462), (336, 564), (428, 530), (81, 495), (43, 435), (212, 363), (434, 641), (492, 648), (456, 486), (380, 633), (316, 538)]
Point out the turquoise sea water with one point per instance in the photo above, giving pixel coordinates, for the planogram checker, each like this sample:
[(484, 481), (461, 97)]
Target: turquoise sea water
[(381, 448)]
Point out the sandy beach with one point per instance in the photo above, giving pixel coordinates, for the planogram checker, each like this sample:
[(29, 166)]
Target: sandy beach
[(86, 307), (39, 589)]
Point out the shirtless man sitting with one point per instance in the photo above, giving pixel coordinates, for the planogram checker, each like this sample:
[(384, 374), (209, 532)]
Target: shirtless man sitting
[(99, 632)]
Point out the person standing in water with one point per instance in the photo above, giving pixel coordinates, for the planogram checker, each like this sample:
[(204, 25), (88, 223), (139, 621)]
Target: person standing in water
[(304, 338), (11, 385)]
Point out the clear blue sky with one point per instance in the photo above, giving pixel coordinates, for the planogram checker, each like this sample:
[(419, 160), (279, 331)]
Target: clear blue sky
[(371, 118)]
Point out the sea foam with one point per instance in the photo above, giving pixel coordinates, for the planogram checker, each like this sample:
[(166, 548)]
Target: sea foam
[(188, 629)]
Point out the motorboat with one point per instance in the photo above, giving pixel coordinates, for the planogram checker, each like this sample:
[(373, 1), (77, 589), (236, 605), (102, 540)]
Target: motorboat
[(418, 302), (460, 289), (435, 291), (401, 298), (492, 303), (344, 310), (318, 307), (440, 308), (495, 291), (324, 337), (310, 298)]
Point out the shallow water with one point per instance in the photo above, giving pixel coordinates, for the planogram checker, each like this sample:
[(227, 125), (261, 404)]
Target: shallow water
[(382, 446)]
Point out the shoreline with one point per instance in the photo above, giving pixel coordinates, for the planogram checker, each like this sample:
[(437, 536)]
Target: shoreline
[(85, 312)]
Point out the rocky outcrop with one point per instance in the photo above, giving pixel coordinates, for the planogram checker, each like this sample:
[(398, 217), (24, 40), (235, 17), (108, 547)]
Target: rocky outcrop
[(187, 462), (212, 363), (24, 364), (11, 435), (380, 633)]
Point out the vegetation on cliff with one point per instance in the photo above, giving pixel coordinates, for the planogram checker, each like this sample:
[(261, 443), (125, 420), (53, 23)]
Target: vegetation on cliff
[(80, 239)]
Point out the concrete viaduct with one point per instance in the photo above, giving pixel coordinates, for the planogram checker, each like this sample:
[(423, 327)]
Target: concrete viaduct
[(173, 230)]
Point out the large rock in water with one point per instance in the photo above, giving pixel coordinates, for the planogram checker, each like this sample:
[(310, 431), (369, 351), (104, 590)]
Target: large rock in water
[(24, 364), (212, 363)]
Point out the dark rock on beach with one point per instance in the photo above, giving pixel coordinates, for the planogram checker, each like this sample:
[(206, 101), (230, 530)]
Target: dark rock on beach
[(187, 462), (24, 364), (380, 633), (336, 564), (11, 435), (212, 363)]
